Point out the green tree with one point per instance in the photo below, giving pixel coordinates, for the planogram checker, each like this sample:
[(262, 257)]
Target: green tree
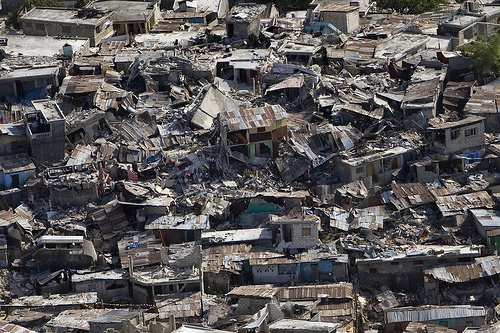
[(42, 3), (410, 6), (485, 55), (11, 20), (12, 17)]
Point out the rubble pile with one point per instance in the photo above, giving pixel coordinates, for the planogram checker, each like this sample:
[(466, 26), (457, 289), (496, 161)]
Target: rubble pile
[(196, 166)]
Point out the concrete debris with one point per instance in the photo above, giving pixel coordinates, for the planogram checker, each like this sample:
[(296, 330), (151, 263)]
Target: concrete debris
[(205, 166)]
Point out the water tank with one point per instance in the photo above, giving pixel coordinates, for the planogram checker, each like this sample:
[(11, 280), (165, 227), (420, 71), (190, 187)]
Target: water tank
[(67, 50)]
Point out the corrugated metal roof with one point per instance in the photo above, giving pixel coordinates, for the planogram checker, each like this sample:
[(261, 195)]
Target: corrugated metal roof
[(16, 163), (143, 249), (331, 311), (13, 328), (368, 218), (273, 260), (258, 290), (422, 92), (253, 118), (483, 101), (78, 319), (411, 195), (450, 204), (7, 218), (423, 314), (435, 125), (294, 81), (54, 300), (456, 273), (313, 292), (227, 257), (83, 84), (339, 218), (488, 218), (180, 305)]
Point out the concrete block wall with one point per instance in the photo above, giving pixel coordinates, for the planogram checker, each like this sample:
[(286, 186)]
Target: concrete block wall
[(250, 306), (300, 241), (462, 143), (347, 22), (270, 274)]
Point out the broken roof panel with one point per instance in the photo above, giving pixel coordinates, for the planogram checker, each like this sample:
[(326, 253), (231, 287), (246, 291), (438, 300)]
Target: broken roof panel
[(13, 328), (423, 314), (235, 236), (84, 84), (377, 114), (483, 101), (450, 205), (143, 249), (411, 195), (187, 222), (398, 46), (75, 319), (368, 218), (82, 155), (180, 305), (458, 273), (16, 163), (436, 124), (422, 92), (339, 218), (292, 82), (211, 105), (264, 116), (89, 298)]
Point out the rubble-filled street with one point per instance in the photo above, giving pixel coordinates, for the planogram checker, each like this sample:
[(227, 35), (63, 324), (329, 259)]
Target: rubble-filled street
[(222, 166)]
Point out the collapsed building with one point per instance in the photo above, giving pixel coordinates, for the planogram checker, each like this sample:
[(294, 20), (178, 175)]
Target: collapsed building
[(205, 166)]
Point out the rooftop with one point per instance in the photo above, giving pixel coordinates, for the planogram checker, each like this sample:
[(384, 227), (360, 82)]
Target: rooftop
[(245, 13), (333, 7), (64, 15), (295, 325), (126, 11), (47, 46), (49, 109), (264, 116), (258, 290), (54, 300), (435, 125), (234, 236)]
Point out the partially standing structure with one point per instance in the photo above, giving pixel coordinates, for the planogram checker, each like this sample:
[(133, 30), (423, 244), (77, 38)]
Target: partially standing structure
[(343, 17), (131, 17), (254, 132), (88, 22), (244, 20), (46, 130)]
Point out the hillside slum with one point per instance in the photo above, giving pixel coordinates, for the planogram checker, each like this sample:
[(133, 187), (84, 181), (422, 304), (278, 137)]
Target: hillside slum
[(210, 166)]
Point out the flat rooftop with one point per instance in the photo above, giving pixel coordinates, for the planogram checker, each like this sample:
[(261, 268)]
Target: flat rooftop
[(126, 11), (49, 109), (46, 46), (62, 16)]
